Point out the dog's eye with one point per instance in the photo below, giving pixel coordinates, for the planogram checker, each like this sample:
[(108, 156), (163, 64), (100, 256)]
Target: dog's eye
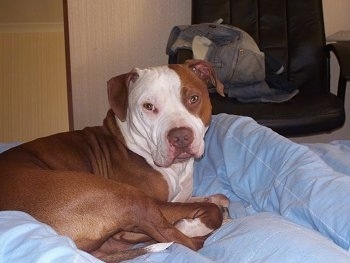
[(149, 106), (193, 99)]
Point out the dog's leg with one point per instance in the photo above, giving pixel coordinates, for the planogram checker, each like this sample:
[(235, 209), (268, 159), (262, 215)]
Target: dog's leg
[(193, 219), (88, 208)]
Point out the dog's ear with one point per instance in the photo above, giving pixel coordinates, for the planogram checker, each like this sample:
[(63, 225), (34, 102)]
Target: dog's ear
[(205, 71), (118, 93)]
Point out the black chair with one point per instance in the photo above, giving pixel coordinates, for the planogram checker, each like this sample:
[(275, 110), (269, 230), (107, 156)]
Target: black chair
[(292, 32)]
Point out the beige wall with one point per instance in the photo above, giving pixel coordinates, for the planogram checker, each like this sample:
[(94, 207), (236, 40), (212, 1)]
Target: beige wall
[(108, 38), (33, 90), (31, 11)]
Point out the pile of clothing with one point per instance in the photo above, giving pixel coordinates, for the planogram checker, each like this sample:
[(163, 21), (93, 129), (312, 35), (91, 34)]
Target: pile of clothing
[(248, 74)]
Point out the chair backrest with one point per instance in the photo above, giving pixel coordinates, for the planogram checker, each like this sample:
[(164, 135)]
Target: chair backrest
[(291, 31)]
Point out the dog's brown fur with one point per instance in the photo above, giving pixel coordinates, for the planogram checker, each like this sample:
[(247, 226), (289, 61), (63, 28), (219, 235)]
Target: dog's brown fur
[(89, 186)]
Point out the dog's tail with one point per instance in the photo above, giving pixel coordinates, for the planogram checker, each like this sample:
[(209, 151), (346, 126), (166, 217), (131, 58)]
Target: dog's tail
[(135, 252)]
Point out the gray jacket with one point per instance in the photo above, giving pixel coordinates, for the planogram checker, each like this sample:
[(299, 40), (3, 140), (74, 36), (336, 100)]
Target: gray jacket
[(239, 63)]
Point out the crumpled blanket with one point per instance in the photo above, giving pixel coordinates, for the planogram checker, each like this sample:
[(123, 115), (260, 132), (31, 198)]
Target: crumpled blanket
[(289, 203)]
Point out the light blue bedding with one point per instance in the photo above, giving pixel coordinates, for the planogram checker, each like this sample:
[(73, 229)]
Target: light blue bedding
[(289, 203)]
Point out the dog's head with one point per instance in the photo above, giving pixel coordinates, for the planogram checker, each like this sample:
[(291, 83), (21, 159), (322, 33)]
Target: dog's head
[(164, 111)]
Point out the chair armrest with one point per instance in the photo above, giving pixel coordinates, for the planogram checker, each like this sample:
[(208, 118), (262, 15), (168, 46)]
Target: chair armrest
[(180, 56), (341, 51)]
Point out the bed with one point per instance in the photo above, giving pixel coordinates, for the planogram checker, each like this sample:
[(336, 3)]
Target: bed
[(289, 203)]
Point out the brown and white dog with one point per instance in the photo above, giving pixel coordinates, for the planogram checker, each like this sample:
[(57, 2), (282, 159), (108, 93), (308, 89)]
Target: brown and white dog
[(129, 180)]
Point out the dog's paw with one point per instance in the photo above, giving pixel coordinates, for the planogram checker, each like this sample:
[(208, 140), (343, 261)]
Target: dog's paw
[(219, 199)]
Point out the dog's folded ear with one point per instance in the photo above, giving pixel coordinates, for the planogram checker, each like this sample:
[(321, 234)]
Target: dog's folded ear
[(118, 93), (206, 72)]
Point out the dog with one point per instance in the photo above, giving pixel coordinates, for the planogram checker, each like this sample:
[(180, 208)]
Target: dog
[(129, 180)]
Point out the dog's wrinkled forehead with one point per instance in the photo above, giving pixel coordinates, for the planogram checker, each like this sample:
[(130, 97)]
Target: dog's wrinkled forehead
[(164, 85), (155, 79), (153, 86)]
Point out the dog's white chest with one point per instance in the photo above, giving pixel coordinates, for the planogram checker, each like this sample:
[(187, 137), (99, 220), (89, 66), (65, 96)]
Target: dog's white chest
[(180, 181)]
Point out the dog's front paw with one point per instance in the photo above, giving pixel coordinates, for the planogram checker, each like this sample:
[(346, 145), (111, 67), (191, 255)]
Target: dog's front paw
[(223, 202), (219, 199)]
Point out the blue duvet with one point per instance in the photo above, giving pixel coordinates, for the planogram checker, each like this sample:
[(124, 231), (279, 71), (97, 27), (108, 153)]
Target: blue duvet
[(289, 203)]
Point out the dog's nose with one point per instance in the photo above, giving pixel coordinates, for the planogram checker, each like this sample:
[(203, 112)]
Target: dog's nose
[(180, 137)]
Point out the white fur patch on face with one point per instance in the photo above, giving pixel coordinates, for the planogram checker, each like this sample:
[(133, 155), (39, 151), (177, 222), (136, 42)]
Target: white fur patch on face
[(155, 108), (192, 227)]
